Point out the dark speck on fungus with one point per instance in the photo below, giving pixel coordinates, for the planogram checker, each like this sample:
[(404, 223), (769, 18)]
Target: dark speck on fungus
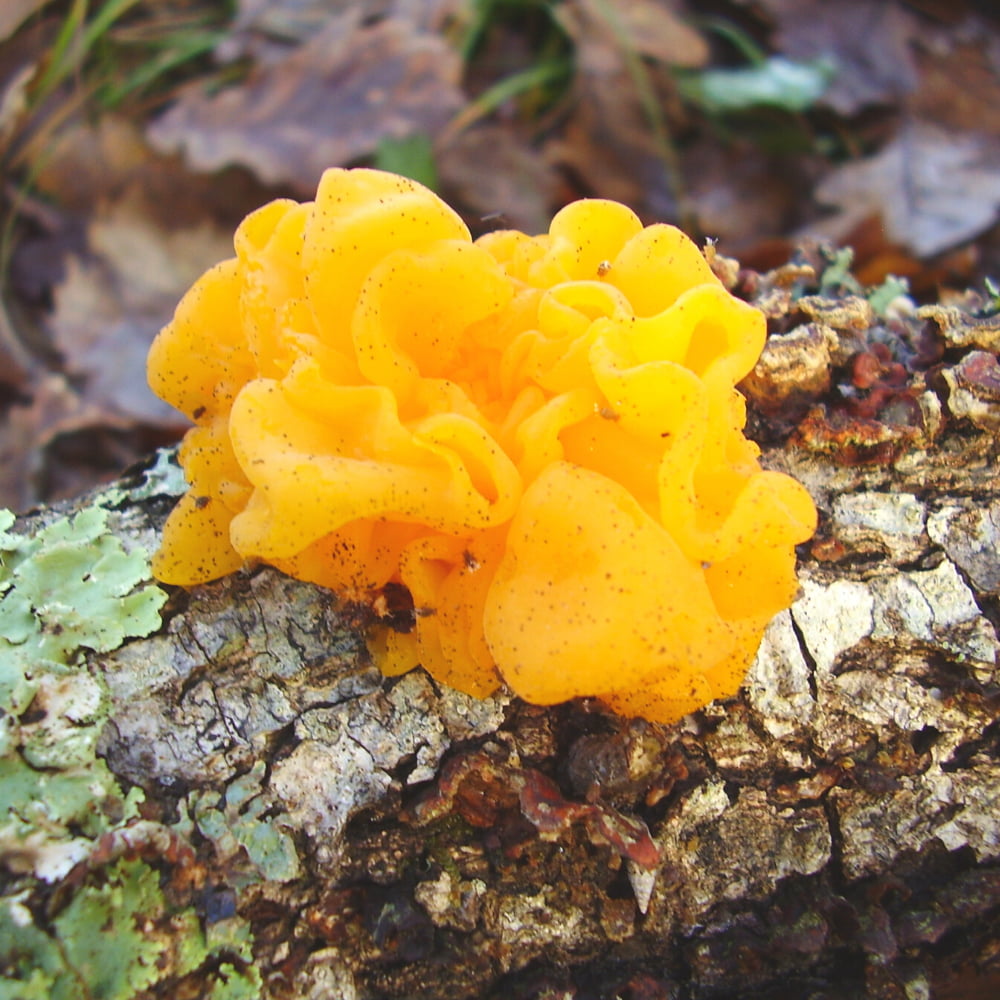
[(554, 463)]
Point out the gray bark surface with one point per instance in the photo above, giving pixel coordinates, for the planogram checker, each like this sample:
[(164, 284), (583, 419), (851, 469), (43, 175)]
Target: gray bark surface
[(831, 832)]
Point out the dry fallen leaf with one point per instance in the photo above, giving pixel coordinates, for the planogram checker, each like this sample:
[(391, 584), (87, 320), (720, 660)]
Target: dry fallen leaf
[(13, 13), (263, 29), (518, 190), (959, 86), (113, 301), (26, 429), (71, 428), (650, 28), (741, 195), (933, 187), (867, 41), (329, 102), (609, 141), (607, 145), (21, 57)]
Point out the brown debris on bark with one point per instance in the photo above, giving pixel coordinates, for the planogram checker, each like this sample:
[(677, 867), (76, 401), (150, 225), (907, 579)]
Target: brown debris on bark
[(831, 832)]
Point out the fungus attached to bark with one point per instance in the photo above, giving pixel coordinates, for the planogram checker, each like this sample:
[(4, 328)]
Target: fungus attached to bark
[(539, 437)]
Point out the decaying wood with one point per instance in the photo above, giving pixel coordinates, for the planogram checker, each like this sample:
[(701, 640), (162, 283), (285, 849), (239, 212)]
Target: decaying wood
[(833, 831)]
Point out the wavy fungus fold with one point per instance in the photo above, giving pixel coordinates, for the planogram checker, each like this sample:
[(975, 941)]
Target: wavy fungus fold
[(539, 436)]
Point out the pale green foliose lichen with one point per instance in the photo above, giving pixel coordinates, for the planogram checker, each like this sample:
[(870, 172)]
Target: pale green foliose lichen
[(69, 588), (104, 944), (238, 821)]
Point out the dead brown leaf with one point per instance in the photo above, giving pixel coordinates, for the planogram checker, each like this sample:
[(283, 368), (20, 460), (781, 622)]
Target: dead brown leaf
[(113, 236), (73, 427), (652, 29), (490, 170), (13, 13), (20, 59), (264, 30), (329, 102), (741, 195), (610, 140), (14, 100), (933, 187), (113, 301), (959, 86), (57, 445), (16, 362), (84, 164), (607, 146), (27, 428), (289, 19), (868, 42), (87, 164)]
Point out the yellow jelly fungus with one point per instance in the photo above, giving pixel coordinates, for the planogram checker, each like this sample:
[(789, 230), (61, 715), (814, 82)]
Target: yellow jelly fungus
[(539, 437)]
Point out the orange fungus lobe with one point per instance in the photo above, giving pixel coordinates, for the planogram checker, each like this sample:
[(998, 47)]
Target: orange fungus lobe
[(539, 438)]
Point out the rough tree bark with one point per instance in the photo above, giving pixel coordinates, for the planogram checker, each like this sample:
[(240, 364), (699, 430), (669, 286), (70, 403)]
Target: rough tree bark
[(833, 831)]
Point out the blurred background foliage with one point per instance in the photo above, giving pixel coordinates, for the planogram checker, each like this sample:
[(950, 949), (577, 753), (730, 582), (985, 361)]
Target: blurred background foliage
[(135, 134)]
